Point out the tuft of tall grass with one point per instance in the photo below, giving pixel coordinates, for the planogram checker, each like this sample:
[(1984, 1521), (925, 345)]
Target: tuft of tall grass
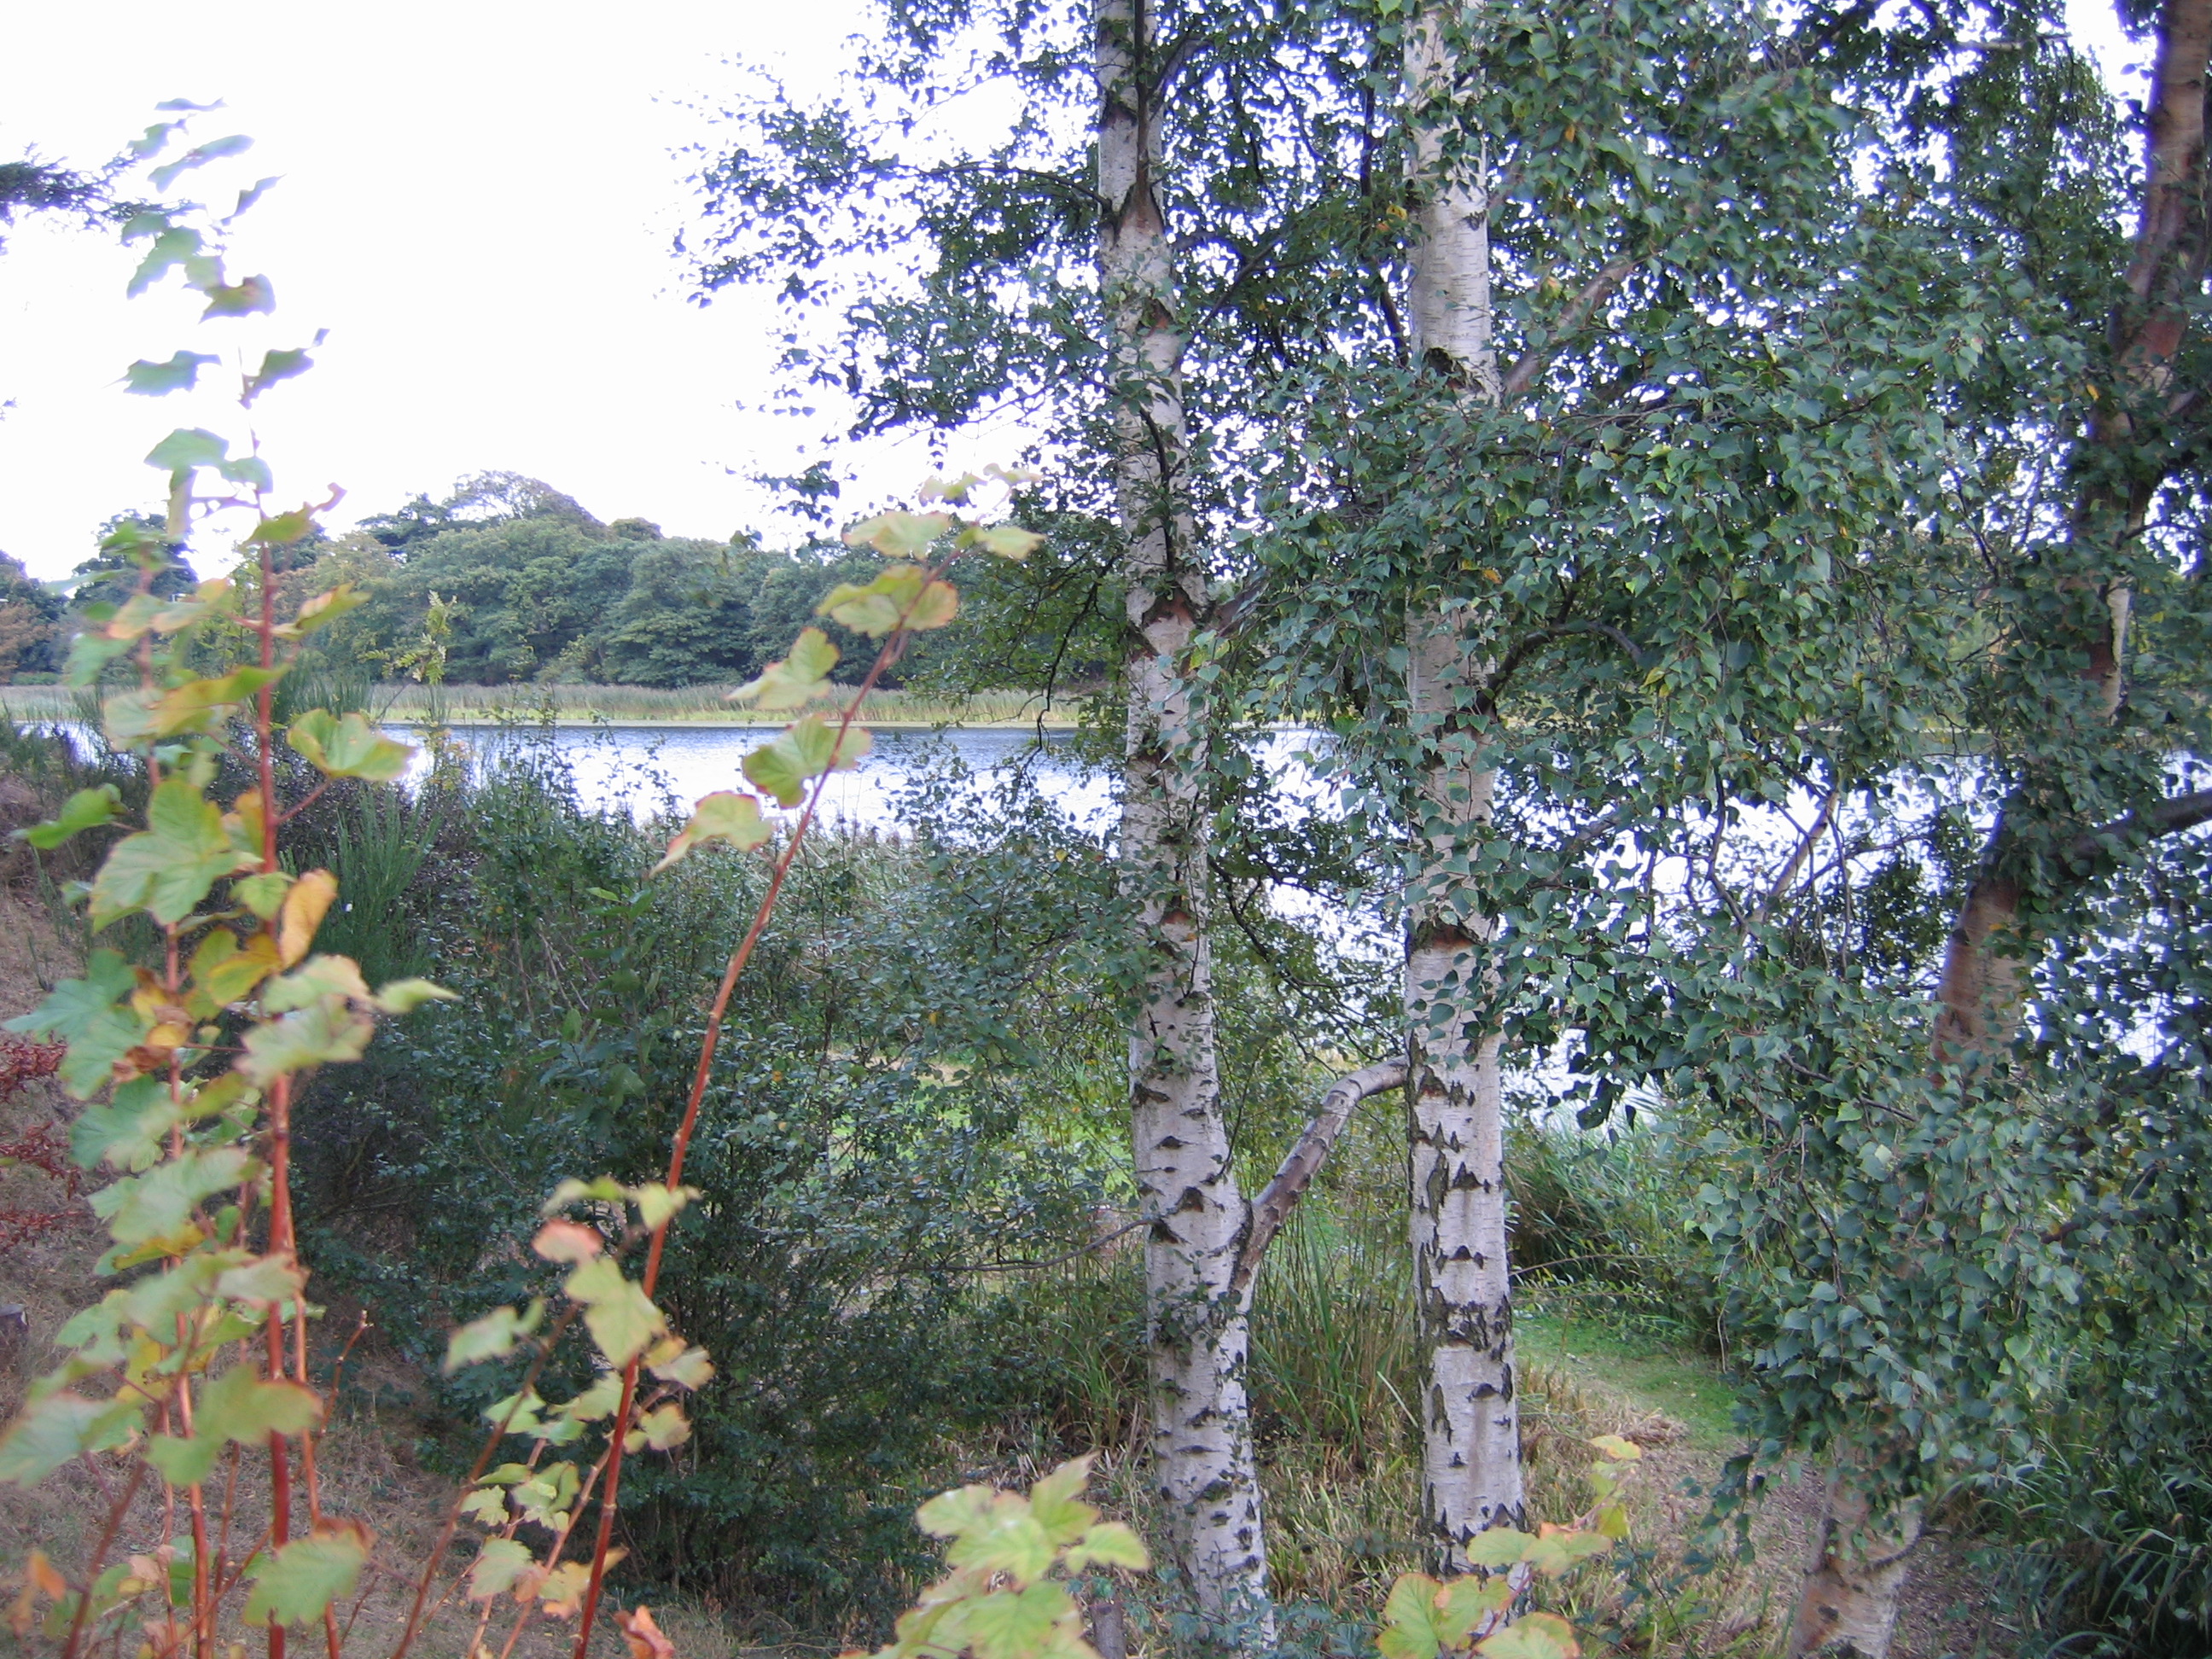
[(707, 705)]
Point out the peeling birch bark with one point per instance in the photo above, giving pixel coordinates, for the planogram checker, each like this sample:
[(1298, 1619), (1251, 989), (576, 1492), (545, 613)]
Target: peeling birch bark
[(1855, 1579), (1196, 1313), (1470, 1417)]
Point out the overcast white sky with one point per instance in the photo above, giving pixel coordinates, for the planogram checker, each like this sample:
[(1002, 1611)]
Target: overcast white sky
[(478, 200)]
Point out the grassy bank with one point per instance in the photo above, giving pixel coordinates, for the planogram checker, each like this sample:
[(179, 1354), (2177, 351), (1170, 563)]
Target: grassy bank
[(626, 705)]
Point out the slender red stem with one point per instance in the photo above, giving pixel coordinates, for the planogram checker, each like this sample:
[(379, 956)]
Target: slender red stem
[(708, 1043)]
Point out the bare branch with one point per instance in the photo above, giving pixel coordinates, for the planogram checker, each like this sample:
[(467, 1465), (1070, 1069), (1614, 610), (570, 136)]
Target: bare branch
[(1273, 1206)]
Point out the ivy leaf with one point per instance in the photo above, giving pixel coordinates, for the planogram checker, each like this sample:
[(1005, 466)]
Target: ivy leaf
[(181, 374), (237, 1406), (239, 298), (306, 1576), (87, 809), (498, 1565), (804, 750), (168, 868), (63, 1426), (329, 1030), (348, 747), (279, 365), (797, 679), (159, 1204), (85, 1013), (617, 1313), (727, 814), (492, 1337)]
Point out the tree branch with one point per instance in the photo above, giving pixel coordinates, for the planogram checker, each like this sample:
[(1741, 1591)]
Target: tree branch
[(1273, 1206), (2166, 818), (1594, 292)]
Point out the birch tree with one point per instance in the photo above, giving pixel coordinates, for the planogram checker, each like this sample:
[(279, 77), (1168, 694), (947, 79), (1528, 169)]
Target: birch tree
[(1470, 1421)]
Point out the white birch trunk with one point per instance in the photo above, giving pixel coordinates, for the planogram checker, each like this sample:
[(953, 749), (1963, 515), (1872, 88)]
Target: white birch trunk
[(1202, 1453), (1470, 1417), (1856, 1578)]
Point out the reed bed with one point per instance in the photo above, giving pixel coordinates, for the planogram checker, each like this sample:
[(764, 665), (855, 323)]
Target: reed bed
[(646, 705)]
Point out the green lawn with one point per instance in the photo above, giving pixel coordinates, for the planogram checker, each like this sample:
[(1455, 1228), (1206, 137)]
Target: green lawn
[(1684, 1384)]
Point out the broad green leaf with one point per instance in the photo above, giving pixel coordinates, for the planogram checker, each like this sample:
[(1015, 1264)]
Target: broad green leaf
[(173, 246), (1108, 1543), (898, 535), (227, 970), (1017, 1624), (727, 814), (307, 1575), (237, 1406), (322, 610), (954, 1514), (187, 448), (1004, 1537), (874, 608), (663, 1428), (159, 1204), (1500, 1546), (1465, 1602), (330, 1030), (1533, 1636), (602, 1189), (487, 1505), (48, 1432), (1008, 542), (404, 996), (602, 1399), (135, 719), (1617, 1448), (278, 365), (797, 679), (1559, 1550), (248, 469), (687, 1368), (616, 1312), (1409, 1619), (128, 1132), (88, 1015), (804, 750), (284, 529), (492, 1337), (1056, 1501), (313, 980), (656, 1202), (240, 298), (87, 809), (263, 894), (215, 149), (263, 1279), (499, 1564), (349, 746), (168, 868), (181, 374)]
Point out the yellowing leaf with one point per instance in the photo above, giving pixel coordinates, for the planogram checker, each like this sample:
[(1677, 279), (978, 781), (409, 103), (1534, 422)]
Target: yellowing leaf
[(227, 970), (1056, 1502), (348, 746), (50, 1432), (1617, 1448), (567, 1240), (642, 1637), (898, 535), (686, 1367), (727, 814), (1409, 1619), (562, 1590), (1108, 1543), (1500, 1546), (404, 996), (662, 1428), (305, 906), (1534, 1635), (329, 1030)]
